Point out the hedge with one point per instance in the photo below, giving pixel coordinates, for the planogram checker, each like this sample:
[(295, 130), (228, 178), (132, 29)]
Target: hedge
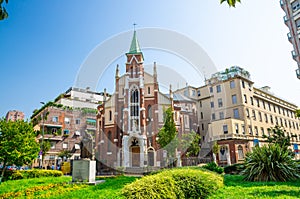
[(25, 174), (175, 183)]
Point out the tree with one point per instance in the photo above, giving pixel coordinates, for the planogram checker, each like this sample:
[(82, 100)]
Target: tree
[(278, 136), (44, 147), (65, 154), (297, 113), (230, 2), (215, 151), (18, 145), (3, 12), (190, 143), (167, 135)]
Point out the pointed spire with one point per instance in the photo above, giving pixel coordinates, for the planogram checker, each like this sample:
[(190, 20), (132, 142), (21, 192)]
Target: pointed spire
[(117, 71), (134, 47), (104, 98)]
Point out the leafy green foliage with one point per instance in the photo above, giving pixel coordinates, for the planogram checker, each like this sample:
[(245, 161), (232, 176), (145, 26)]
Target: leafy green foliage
[(215, 148), (167, 135), (230, 2), (234, 168), (175, 183), (25, 174), (212, 166), (190, 143), (277, 135), (297, 113), (3, 12), (65, 154), (270, 163), (17, 143)]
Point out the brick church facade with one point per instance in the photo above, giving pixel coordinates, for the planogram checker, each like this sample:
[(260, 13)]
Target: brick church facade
[(128, 122)]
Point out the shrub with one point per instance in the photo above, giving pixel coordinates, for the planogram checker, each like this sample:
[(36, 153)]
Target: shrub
[(234, 168), (212, 166), (270, 163), (25, 174), (175, 183)]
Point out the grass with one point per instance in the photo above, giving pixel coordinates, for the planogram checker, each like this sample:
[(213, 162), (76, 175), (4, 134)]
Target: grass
[(236, 188), (58, 187)]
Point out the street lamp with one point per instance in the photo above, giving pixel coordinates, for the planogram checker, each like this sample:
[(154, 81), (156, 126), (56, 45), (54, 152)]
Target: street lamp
[(42, 148)]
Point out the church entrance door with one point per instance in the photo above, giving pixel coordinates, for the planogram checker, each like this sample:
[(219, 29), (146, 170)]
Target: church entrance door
[(135, 155)]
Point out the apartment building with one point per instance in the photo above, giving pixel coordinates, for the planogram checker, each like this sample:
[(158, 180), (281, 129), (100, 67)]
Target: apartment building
[(292, 20), (14, 115), (67, 123), (236, 114)]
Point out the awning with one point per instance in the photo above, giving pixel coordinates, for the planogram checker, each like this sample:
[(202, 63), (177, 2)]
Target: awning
[(91, 120)]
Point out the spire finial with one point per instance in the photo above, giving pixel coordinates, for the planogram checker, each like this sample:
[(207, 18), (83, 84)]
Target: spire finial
[(134, 24)]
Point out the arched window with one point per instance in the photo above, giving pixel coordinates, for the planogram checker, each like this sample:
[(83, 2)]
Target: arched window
[(149, 112), (134, 109), (240, 152), (109, 141)]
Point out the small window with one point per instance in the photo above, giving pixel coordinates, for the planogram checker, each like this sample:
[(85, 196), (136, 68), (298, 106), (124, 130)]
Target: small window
[(243, 84), (266, 118), (232, 84), (251, 99), (67, 120), (234, 99), (253, 114), (202, 127), (262, 130), (213, 116), (77, 121), (225, 129), (243, 129), (218, 88), (260, 117), (247, 113), (149, 91), (193, 93), (250, 130), (257, 102), (236, 128), (271, 119), (212, 104), (198, 92), (52, 145), (211, 90), (256, 130), (264, 105), (55, 119), (220, 102), (236, 114), (240, 152), (110, 116), (221, 115), (245, 98), (201, 115), (65, 145)]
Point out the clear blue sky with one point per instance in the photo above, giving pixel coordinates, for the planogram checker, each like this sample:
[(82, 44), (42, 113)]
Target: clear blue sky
[(43, 43)]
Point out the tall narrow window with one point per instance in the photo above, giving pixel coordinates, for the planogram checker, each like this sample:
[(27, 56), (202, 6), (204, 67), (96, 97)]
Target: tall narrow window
[(134, 109), (110, 115), (245, 98), (109, 136), (220, 102), (221, 115), (232, 84), (237, 128), (218, 88), (236, 114), (234, 99), (149, 90), (225, 129)]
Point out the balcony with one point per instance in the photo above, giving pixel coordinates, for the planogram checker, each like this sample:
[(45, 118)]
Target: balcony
[(298, 73), (294, 54), (285, 18)]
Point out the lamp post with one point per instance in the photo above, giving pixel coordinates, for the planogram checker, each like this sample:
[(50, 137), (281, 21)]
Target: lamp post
[(42, 148)]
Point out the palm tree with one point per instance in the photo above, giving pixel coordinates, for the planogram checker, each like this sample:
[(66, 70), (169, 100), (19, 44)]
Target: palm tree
[(230, 2), (3, 13)]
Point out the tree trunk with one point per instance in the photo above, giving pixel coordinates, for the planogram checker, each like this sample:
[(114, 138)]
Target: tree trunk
[(215, 158), (3, 170)]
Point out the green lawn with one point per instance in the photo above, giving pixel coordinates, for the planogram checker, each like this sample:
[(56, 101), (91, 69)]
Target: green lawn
[(236, 188), (58, 187)]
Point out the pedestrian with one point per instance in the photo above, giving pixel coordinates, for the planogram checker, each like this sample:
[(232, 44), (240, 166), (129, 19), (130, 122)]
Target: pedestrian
[(52, 167)]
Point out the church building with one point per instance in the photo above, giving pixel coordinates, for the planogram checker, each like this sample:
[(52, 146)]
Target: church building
[(128, 122)]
